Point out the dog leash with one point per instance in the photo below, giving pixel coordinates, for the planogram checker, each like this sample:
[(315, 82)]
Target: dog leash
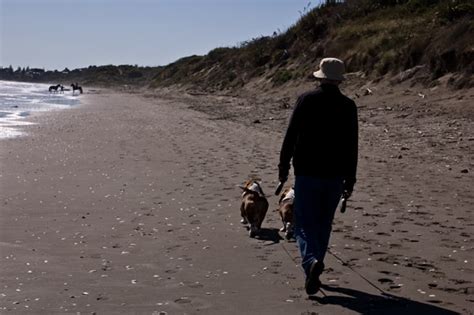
[(344, 263), (343, 201)]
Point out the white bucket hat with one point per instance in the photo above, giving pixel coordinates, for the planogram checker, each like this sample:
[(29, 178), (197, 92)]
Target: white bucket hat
[(331, 69)]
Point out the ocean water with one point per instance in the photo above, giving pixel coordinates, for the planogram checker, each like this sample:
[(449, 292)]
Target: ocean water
[(19, 100)]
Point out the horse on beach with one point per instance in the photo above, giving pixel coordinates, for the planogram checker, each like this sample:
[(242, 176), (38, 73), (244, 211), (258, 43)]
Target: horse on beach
[(76, 87), (54, 88)]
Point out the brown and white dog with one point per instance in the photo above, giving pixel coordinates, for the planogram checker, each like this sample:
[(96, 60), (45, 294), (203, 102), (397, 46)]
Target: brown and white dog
[(254, 206), (285, 208)]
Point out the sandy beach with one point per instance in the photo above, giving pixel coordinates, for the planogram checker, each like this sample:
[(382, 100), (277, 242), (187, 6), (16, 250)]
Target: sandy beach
[(129, 204)]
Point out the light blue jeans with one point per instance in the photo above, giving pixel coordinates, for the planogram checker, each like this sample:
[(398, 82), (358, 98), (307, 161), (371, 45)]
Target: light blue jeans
[(316, 200)]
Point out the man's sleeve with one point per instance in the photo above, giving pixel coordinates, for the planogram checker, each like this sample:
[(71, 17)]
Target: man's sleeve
[(289, 141), (353, 145)]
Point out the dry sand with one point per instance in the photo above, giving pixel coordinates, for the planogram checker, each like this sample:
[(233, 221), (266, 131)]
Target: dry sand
[(129, 205)]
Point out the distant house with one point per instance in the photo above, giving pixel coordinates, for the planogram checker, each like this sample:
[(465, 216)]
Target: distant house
[(36, 71), (39, 70)]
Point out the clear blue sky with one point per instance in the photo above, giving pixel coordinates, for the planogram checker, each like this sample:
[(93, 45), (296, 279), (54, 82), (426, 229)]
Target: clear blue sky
[(54, 34)]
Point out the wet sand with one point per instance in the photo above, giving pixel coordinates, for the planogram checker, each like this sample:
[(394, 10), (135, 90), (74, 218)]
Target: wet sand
[(128, 204)]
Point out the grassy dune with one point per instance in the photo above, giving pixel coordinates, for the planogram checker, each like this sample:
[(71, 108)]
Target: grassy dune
[(376, 37)]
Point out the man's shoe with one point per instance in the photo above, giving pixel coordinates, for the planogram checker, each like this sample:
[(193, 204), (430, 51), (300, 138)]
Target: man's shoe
[(313, 284)]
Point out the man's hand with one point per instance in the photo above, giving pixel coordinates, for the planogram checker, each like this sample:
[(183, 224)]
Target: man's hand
[(279, 188), (283, 174)]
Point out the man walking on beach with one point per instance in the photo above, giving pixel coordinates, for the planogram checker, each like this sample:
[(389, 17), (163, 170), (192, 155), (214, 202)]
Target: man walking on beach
[(322, 140)]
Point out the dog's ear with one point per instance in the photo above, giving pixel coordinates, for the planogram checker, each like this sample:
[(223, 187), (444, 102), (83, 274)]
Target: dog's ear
[(282, 195), (242, 187)]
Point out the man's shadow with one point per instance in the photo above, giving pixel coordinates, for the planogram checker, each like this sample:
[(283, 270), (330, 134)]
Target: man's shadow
[(365, 303)]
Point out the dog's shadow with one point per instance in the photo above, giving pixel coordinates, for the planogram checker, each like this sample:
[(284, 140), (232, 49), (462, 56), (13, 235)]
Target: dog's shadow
[(365, 303), (269, 234)]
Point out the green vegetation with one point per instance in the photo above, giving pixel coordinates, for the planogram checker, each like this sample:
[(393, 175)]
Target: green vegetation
[(282, 76), (377, 37)]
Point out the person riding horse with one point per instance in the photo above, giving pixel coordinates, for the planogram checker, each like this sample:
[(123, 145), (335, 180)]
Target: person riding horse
[(76, 87)]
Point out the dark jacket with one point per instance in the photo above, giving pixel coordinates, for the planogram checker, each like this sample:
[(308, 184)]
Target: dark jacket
[(322, 136)]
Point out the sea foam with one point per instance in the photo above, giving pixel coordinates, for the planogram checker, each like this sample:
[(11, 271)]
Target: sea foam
[(18, 100)]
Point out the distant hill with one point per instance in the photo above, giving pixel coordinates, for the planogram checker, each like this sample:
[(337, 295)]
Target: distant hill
[(422, 38)]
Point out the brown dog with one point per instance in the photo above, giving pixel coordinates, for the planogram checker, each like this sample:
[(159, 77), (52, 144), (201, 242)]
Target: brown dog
[(285, 209), (254, 206)]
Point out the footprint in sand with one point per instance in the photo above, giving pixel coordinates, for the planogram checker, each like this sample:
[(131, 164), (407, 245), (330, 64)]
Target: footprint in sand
[(389, 273), (276, 264), (385, 280)]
